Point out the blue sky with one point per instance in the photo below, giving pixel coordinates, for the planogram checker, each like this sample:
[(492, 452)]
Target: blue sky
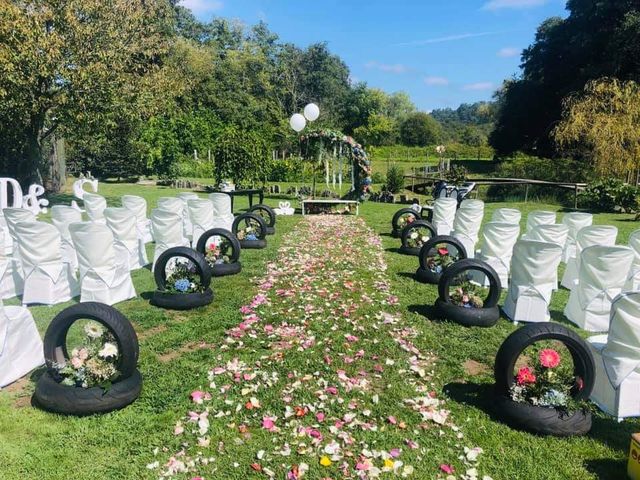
[(441, 52)]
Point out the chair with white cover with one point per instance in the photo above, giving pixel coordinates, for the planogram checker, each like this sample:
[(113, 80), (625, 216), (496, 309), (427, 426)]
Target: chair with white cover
[(186, 220), (21, 348), (138, 206), (122, 223), (603, 235), (507, 215), (11, 281), (633, 279), (603, 271), (48, 279), (222, 214), (13, 216), (94, 205), (498, 240), (104, 276), (466, 225), (201, 216), (167, 231), (556, 234), (175, 205), (6, 246), (534, 268), (617, 358), (444, 214), (62, 216), (539, 217), (576, 221)]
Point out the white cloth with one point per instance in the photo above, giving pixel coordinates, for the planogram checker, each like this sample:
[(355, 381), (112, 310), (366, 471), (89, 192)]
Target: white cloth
[(62, 216), (534, 268), (556, 234), (94, 205), (167, 231), (222, 214), (138, 206), (633, 279), (6, 245), (603, 235), (466, 225), (575, 221), (498, 240), (507, 215), (122, 223), (539, 217), (11, 280), (186, 220), (104, 276), (47, 279), (444, 214), (12, 217), (201, 216), (21, 348), (603, 271)]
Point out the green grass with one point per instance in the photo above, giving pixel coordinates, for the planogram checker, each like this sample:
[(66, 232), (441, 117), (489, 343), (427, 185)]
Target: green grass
[(38, 445)]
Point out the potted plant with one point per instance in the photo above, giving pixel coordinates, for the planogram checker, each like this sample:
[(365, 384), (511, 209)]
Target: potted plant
[(414, 235), (401, 219), (250, 230), (222, 253), (436, 255), (267, 214)]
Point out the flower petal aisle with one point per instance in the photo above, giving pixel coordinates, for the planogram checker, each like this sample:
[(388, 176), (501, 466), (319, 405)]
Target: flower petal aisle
[(321, 378)]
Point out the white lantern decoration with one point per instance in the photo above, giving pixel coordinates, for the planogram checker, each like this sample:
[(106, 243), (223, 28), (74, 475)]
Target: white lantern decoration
[(297, 122), (311, 112)]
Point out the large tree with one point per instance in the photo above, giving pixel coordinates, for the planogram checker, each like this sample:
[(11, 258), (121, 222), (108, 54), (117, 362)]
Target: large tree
[(420, 129)]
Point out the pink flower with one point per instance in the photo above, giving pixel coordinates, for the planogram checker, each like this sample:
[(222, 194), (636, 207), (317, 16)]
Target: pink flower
[(77, 362), (549, 358), (448, 469), (524, 376), (443, 251), (320, 416), (392, 420), (83, 354), (393, 300), (332, 390), (199, 396), (268, 423)]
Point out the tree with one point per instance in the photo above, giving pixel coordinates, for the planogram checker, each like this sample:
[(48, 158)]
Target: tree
[(603, 124), (240, 155), (379, 130), (420, 129), (473, 137), (362, 103)]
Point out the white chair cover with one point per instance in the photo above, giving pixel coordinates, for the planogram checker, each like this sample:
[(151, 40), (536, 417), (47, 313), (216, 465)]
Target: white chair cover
[(603, 235), (556, 234), (498, 240), (104, 277), (534, 268), (575, 221), (444, 214), (11, 281), (222, 214), (167, 231), (633, 279), (617, 357), (21, 348), (122, 223), (62, 216), (6, 246), (47, 279), (94, 205), (507, 215), (138, 206), (171, 204), (540, 217), (466, 225), (186, 220), (12, 217), (201, 215), (603, 271)]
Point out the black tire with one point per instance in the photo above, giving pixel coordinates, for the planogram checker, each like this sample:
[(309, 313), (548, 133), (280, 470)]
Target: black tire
[(542, 420), (220, 232), (425, 275), (433, 241), (468, 317), (404, 236), (245, 217), (518, 341), (253, 244), (55, 338), (224, 269), (448, 279), (197, 258), (181, 301), (270, 213), (414, 252), (271, 230), (395, 229), (54, 397)]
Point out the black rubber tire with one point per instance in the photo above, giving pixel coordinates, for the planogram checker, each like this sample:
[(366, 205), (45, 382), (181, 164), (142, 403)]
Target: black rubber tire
[(542, 420), (448, 278), (181, 301), (197, 258), (415, 251), (518, 341), (253, 244), (54, 397), (468, 317), (271, 230), (259, 219), (433, 241), (395, 229), (109, 317), (424, 275), (220, 232), (224, 269), (272, 215)]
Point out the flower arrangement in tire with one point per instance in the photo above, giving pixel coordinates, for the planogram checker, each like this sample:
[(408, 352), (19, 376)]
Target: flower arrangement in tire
[(463, 297), (182, 278), (250, 230), (100, 373), (267, 214), (401, 219), (222, 253), (414, 235), (438, 254), (544, 375)]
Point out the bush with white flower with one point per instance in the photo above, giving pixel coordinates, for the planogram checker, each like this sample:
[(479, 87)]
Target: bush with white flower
[(219, 252), (182, 277), (418, 236), (250, 230)]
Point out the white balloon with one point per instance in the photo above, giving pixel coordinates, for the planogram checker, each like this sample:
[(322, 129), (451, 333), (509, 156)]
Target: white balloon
[(311, 112), (297, 122)]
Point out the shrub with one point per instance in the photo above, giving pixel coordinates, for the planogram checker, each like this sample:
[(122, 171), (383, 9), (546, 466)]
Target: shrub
[(377, 177), (610, 195), (395, 179), (456, 175)]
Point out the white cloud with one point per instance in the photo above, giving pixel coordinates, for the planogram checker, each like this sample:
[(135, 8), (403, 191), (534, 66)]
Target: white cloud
[(448, 38), (493, 5), (202, 6), (396, 68), (508, 52), (436, 81), (479, 86)]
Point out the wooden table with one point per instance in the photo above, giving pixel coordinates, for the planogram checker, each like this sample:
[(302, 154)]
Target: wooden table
[(250, 192), (329, 203)]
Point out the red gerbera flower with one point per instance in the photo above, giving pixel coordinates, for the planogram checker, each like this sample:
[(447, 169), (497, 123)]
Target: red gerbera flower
[(524, 376), (443, 251), (549, 358)]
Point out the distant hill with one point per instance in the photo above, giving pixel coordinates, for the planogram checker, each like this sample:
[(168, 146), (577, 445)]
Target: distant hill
[(467, 122)]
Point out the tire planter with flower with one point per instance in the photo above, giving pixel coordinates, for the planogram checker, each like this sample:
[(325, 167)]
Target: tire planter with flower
[(400, 220), (99, 377), (188, 286), (549, 416), (438, 254), (415, 235), (267, 214), (250, 230), (464, 305), (223, 257)]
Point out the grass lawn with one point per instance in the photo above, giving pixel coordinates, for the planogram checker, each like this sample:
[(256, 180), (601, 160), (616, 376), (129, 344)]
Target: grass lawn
[(177, 349)]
